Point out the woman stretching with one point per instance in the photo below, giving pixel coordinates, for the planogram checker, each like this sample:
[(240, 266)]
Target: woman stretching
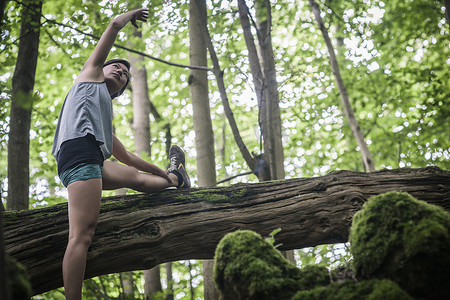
[(84, 140)]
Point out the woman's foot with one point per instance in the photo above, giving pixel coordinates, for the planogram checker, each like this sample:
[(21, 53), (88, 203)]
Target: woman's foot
[(177, 166)]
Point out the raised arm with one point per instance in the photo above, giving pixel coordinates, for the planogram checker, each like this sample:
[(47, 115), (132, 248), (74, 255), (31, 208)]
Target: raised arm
[(93, 68)]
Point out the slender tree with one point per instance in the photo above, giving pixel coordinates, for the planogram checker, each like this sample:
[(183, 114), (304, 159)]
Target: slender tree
[(169, 294), (204, 136), (4, 285), (365, 153), (2, 10), (262, 67), (447, 10), (141, 128), (270, 110), (21, 106), (141, 103)]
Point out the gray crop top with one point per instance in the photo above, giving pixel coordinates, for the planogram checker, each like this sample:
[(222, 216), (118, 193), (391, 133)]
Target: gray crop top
[(86, 109)]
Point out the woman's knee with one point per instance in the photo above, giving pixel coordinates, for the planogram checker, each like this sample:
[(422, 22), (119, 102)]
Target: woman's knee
[(82, 237)]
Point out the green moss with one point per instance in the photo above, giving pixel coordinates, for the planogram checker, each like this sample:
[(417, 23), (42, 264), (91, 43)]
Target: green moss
[(215, 197), (249, 267), (350, 290), (239, 193), (399, 237), (107, 205), (10, 217), (210, 195)]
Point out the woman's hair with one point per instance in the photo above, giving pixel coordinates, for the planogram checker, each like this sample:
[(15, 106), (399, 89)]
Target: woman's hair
[(127, 64)]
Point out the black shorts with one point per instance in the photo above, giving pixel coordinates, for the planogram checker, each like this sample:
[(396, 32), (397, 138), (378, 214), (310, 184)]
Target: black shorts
[(84, 150)]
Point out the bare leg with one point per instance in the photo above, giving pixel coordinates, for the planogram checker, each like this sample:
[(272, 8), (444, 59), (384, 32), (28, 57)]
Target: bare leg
[(84, 208), (117, 176)]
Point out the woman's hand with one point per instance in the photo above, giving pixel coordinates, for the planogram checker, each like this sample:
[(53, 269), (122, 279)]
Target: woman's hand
[(139, 15), (164, 174), (93, 68)]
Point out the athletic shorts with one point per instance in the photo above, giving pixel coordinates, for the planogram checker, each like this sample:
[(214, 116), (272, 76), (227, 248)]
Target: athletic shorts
[(83, 171), (79, 159)]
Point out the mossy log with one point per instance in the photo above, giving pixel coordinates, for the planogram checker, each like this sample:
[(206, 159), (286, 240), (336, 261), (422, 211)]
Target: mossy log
[(140, 231)]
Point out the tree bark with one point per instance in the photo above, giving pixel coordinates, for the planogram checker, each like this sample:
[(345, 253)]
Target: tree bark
[(264, 170), (4, 281), (169, 278), (273, 146), (141, 103), (127, 282), (348, 111), (152, 279), (204, 135), (447, 11), (21, 106), (2, 13), (251, 161), (142, 139), (140, 231), (198, 87)]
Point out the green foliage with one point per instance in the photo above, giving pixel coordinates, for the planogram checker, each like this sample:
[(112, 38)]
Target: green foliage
[(399, 237), (271, 238), (330, 255)]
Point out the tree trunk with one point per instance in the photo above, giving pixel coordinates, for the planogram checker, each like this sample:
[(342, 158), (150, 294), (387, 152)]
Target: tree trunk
[(152, 279), (140, 231), (21, 106), (447, 11), (204, 136), (365, 153), (141, 104), (169, 294), (251, 161), (4, 284), (273, 146), (142, 138), (264, 79), (2, 12), (127, 281), (260, 88), (198, 87)]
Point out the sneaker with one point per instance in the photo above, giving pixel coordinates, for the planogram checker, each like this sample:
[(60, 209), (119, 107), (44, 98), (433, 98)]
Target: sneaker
[(177, 163)]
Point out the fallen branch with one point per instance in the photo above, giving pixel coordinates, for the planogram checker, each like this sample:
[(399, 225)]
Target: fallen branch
[(140, 231)]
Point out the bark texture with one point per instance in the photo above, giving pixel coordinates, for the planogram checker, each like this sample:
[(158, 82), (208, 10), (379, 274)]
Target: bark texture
[(447, 10), (204, 135), (198, 87), (142, 141), (270, 109), (21, 105), (140, 231), (141, 103), (251, 161)]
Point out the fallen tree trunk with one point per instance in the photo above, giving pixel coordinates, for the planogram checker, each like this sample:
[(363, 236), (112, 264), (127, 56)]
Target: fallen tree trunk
[(140, 231)]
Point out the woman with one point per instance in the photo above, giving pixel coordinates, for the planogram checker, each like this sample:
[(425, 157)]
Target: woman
[(84, 140)]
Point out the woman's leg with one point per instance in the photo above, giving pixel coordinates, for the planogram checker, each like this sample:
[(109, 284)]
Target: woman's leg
[(84, 208), (117, 176)]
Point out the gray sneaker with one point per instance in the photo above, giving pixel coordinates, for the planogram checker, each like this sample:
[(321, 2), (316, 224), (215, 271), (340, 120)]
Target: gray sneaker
[(177, 163)]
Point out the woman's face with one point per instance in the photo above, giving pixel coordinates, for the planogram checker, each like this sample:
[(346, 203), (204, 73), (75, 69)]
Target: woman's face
[(116, 74)]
